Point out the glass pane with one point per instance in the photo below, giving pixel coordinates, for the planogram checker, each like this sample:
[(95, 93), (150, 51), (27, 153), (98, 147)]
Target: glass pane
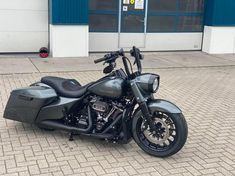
[(132, 23), (100, 23), (103, 5), (192, 5), (162, 5), (190, 23), (161, 23)]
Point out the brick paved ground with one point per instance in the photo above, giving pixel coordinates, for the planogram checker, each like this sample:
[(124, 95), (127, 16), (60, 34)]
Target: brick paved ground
[(206, 96)]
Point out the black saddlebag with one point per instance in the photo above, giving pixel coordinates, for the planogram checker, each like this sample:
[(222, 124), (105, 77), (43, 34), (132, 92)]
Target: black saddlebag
[(24, 104)]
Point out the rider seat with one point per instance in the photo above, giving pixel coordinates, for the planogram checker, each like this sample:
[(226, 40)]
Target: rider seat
[(69, 88)]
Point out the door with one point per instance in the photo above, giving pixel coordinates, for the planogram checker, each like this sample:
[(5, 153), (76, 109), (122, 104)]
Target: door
[(132, 23), (24, 25)]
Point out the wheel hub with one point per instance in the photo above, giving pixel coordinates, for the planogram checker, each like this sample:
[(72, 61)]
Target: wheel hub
[(158, 136)]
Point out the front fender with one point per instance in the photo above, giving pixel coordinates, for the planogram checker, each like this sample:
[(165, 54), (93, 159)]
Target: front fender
[(163, 106)]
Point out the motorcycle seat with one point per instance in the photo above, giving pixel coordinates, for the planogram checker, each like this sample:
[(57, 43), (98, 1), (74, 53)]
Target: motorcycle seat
[(69, 88)]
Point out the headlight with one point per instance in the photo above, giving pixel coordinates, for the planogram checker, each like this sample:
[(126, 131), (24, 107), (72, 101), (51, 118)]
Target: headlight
[(155, 85), (148, 82)]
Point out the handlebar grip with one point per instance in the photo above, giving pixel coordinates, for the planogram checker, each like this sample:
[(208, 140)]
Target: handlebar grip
[(113, 55), (99, 60)]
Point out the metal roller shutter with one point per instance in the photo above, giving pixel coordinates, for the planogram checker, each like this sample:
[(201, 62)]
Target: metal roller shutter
[(23, 25)]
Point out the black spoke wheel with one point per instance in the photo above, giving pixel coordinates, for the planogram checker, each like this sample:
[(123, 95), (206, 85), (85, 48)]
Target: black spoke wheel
[(168, 137)]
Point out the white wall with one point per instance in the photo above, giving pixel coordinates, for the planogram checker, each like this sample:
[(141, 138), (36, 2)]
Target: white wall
[(24, 4), (69, 40), (219, 40), (103, 41), (173, 41), (154, 41), (24, 25)]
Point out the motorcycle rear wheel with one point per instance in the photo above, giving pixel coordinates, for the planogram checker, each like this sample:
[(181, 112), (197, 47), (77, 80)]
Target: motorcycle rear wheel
[(167, 140)]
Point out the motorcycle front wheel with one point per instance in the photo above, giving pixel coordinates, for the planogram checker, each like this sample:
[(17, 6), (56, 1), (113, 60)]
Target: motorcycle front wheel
[(167, 139)]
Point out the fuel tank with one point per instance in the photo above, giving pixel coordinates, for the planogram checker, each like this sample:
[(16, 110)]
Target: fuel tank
[(110, 87)]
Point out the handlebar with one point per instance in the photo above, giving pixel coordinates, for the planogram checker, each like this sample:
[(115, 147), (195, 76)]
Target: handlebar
[(100, 60), (111, 58), (135, 52)]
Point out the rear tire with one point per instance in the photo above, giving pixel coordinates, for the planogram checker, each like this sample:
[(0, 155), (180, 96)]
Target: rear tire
[(166, 144)]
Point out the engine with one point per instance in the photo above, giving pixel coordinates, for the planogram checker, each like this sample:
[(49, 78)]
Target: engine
[(105, 111), (100, 106)]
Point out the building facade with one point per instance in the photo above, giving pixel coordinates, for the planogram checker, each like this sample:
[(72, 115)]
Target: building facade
[(72, 28)]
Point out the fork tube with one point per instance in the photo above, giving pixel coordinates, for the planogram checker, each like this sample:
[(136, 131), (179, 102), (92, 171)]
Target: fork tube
[(142, 103)]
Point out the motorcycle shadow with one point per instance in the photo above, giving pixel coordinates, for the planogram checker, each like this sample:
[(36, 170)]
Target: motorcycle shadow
[(34, 133), (52, 141)]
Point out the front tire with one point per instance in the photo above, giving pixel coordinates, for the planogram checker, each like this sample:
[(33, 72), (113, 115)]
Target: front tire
[(167, 140)]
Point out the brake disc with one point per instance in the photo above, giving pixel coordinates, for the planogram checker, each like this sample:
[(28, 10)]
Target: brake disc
[(161, 135)]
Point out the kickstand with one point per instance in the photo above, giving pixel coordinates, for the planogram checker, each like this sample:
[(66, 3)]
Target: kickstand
[(71, 137)]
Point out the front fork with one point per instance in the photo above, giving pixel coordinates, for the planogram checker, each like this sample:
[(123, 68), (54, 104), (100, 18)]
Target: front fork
[(142, 101)]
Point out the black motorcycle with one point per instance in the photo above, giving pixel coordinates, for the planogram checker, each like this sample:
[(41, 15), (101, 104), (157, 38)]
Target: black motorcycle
[(117, 107)]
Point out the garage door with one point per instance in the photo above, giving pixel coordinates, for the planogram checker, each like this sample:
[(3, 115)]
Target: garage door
[(152, 25), (23, 25)]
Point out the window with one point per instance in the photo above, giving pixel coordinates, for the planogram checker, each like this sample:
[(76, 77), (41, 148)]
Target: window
[(103, 15), (103, 5), (103, 23), (132, 23), (191, 5), (175, 15), (162, 5), (190, 23), (161, 23)]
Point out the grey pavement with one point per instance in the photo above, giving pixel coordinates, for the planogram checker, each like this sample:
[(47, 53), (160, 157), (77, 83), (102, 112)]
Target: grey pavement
[(201, 85), (33, 64)]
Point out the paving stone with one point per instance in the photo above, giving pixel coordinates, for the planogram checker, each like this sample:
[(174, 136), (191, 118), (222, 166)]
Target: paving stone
[(206, 96)]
